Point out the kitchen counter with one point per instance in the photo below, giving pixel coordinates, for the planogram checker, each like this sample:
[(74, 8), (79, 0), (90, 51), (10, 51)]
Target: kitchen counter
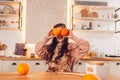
[(46, 76), (20, 58), (101, 59), (84, 59)]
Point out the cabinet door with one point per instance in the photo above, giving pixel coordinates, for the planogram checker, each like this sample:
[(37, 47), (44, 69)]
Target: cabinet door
[(37, 66), (9, 66), (115, 68), (79, 67)]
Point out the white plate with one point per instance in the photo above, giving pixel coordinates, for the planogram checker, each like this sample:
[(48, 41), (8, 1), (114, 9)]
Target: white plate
[(8, 9)]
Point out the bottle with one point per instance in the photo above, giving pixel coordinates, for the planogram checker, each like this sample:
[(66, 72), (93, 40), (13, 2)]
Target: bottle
[(90, 25)]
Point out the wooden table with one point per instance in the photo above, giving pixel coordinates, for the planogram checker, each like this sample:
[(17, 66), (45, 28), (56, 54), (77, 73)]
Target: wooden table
[(45, 76)]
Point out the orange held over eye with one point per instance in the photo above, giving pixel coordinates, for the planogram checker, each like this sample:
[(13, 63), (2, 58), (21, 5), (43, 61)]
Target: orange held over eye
[(64, 32), (90, 77), (56, 31), (22, 68)]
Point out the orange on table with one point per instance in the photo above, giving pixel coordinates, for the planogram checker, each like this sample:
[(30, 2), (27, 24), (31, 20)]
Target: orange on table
[(23, 68), (56, 31), (64, 32), (91, 77)]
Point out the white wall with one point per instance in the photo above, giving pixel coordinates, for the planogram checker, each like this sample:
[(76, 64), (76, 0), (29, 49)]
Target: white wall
[(42, 15)]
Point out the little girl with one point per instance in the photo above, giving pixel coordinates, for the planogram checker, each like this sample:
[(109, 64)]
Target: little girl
[(60, 54)]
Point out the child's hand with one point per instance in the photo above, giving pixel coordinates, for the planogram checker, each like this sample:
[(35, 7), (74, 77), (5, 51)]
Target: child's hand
[(70, 35), (49, 35)]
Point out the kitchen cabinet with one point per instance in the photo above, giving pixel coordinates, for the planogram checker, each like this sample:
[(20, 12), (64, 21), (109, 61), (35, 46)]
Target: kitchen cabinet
[(114, 68), (10, 15), (37, 65), (79, 67), (34, 65), (9, 66), (94, 18)]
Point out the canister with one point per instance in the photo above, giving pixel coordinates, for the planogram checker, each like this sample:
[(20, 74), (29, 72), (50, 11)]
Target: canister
[(99, 68)]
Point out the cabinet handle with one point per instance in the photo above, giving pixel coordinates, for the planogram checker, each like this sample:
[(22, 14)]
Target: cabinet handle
[(117, 63), (37, 63), (14, 63), (79, 63)]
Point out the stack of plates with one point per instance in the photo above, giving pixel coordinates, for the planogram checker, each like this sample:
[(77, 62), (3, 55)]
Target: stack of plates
[(8, 9)]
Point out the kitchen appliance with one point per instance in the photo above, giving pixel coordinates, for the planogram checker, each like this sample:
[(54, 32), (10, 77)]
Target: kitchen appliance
[(99, 68)]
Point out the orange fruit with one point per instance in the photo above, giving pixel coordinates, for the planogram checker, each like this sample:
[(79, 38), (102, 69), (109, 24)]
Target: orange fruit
[(64, 32), (22, 68), (56, 31), (90, 77)]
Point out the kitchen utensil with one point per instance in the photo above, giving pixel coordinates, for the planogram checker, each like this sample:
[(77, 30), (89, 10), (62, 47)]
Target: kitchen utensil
[(2, 46)]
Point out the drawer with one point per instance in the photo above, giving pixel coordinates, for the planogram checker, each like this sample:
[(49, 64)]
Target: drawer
[(37, 66), (10, 66), (79, 67)]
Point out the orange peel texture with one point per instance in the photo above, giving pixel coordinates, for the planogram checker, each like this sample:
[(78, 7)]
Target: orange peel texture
[(22, 68)]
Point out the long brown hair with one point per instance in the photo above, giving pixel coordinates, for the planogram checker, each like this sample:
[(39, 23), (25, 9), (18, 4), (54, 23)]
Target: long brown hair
[(52, 46)]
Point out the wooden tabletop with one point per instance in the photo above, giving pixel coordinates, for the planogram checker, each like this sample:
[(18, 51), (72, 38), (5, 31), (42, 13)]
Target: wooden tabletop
[(40, 76), (46, 76)]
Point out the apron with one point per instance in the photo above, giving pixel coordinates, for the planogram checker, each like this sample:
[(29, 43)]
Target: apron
[(62, 65)]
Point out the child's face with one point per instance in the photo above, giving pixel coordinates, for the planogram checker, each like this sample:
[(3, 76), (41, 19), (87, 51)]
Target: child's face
[(60, 38)]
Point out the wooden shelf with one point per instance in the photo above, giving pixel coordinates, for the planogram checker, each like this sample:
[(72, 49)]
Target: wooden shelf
[(81, 14), (9, 3), (95, 19), (8, 28), (9, 15), (95, 7), (102, 31)]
